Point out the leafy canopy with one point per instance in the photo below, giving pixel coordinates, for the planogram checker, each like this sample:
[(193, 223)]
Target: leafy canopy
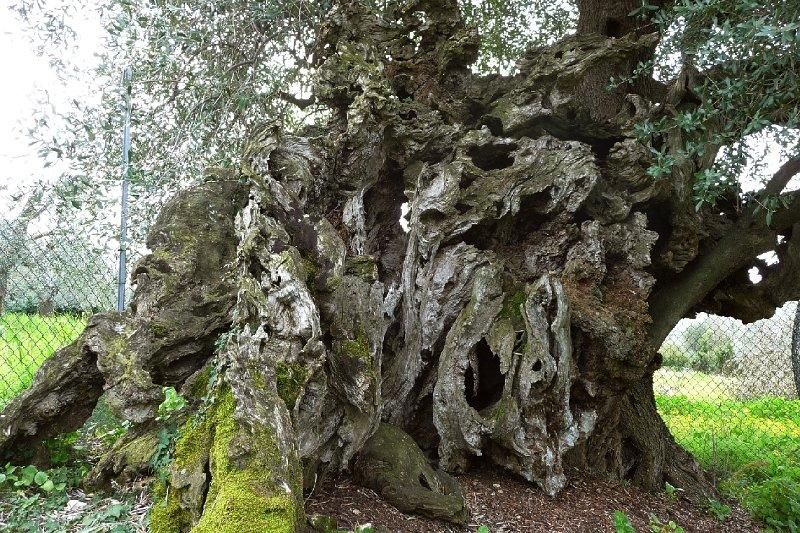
[(207, 72)]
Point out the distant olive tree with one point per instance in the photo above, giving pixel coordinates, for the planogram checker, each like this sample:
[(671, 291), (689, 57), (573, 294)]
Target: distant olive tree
[(707, 349)]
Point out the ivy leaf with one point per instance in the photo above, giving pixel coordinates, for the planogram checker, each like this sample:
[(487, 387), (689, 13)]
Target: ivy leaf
[(40, 478)]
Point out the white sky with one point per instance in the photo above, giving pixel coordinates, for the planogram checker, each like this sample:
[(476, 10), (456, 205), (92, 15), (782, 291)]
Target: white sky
[(26, 77)]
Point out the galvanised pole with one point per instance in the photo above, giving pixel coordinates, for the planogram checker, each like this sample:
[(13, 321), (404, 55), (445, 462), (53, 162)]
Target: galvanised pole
[(122, 275)]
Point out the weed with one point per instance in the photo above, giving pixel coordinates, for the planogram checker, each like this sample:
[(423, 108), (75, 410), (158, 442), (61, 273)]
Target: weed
[(657, 526), (173, 403), (673, 493), (29, 477), (719, 510), (162, 456), (770, 491), (622, 524)]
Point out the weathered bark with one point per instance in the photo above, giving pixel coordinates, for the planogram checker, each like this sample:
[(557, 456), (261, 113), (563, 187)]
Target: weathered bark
[(516, 321), (182, 304)]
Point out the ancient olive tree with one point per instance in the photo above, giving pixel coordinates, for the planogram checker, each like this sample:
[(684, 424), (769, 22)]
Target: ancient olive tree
[(516, 320)]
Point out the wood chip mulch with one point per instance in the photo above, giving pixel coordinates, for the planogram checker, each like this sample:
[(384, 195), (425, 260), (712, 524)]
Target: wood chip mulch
[(508, 504)]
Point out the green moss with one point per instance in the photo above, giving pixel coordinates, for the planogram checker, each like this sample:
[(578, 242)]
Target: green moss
[(191, 450), (512, 305), (193, 443), (159, 329), (332, 282), (363, 267), (358, 347), (290, 378), (237, 508), (139, 451), (502, 409), (243, 496), (311, 271), (245, 499), (115, 346), (162, 255), (200, 383), (167, 516)]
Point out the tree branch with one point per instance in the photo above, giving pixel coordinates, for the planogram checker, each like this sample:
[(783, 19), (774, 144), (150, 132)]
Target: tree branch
[(781, 178), (737, 249), (302, 103)]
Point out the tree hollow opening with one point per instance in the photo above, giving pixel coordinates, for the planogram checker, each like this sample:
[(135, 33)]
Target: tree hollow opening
[(484, 387)]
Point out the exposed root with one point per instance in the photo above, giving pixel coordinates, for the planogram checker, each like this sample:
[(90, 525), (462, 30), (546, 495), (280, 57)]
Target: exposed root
[(63, 394), (392, 465)]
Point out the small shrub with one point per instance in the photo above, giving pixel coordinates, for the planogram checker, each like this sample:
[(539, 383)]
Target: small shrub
[(622, 524), (162, 455), (713, 357), (673, 493), (61, 449), (707, 350), (173, 403), (17, 479), (770, 492), (674, 357)]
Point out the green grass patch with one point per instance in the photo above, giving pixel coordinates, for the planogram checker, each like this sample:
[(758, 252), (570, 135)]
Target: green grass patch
[(770, 491), (752, 447), (26, 341), (727, 435)]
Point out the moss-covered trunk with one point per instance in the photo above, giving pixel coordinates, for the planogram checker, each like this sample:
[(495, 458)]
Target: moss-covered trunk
[(311, 333)]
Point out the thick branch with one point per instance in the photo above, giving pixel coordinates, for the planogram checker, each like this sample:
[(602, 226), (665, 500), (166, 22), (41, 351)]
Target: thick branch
[(612, 17), (302, 103), (738, 297), (735, 250), (673, 301), (782, 177)]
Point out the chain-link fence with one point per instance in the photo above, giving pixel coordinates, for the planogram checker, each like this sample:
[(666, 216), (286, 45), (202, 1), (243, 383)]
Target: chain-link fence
[(53, 276), (728, 391)]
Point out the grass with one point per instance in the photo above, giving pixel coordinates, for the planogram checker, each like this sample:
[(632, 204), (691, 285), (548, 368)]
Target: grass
[(26, 341), (727, 435), (751, 447)]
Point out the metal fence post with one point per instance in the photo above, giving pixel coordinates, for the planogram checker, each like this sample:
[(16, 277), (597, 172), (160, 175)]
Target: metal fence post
[(123, 225)]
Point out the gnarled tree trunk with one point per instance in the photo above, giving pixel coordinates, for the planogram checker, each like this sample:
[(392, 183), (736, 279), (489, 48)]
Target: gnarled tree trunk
[(516, 321)]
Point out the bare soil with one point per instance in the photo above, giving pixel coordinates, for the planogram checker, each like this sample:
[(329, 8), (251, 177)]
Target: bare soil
[(508, 504)]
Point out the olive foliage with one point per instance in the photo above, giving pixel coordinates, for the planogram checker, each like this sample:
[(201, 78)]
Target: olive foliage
[(208, 73)]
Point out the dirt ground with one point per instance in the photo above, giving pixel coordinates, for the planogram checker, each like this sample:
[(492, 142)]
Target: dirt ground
[(507, 504)]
